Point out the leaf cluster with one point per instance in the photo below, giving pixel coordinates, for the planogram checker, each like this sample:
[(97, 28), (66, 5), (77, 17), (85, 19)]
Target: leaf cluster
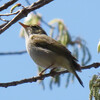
[(94, 86)]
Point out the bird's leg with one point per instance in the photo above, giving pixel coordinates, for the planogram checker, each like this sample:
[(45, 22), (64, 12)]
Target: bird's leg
[(45, 69), (52, 70)]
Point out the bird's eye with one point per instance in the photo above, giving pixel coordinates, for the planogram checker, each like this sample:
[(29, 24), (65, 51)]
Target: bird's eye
[(29, 30), (35, 27)]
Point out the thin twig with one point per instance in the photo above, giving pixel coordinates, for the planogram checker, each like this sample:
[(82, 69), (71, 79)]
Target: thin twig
[(47, 23), (4, 20), (24, 13), (94, 65), (2, 25), (8, 14), (34, 79), (6, 5), (12, 53), (27, 1)]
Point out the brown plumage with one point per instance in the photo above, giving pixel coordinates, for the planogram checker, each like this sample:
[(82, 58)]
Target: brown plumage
[(46, 51)]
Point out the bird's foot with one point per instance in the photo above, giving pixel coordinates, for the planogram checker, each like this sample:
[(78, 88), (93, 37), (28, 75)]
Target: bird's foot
[(53, 72), (45, 69)]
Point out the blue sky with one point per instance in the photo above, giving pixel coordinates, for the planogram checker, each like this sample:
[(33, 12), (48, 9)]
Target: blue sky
[(82, 19)]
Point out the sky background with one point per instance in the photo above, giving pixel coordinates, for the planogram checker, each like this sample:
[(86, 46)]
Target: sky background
[(82, 19)]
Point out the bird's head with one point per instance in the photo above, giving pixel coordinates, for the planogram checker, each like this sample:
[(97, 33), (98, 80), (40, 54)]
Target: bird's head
[(35, 29)]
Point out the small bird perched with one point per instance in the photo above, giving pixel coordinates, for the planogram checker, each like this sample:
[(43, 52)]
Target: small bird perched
[(47, 52)]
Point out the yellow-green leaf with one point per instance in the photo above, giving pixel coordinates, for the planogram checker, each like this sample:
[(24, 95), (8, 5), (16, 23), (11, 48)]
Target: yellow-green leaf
[(98, 48), (16, 5), (54, 21)]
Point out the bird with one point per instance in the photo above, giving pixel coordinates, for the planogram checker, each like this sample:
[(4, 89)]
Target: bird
[(47, 52)]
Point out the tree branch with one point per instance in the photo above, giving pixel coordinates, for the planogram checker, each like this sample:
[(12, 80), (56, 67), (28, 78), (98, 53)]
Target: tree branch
[(22, 13), (12, 53), (4, 20), (2, 25), (6, 5), (8, 14), (34, 79)]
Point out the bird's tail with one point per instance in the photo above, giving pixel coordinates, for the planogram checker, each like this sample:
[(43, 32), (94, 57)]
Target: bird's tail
[(78, 78), (76, 66)]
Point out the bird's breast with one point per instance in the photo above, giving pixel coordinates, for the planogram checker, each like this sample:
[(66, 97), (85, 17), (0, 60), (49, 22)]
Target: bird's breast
[(42, 57)]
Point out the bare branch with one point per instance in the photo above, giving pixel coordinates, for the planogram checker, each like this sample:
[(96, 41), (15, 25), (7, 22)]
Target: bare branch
[(8, 14), (22, 13), (6, 5), (4, 20), (34, 79), (95, 65), (2, 25), (13, 53)]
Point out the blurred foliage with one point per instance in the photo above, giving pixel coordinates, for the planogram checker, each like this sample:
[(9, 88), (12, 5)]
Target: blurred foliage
[(63, 36), (98, 48), (31, 19), (94, 86)]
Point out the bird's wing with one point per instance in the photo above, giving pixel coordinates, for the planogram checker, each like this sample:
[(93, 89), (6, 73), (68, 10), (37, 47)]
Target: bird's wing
[(51, 44)]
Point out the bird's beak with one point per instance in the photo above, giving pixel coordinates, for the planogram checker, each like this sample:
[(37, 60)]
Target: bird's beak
[(25, 26)]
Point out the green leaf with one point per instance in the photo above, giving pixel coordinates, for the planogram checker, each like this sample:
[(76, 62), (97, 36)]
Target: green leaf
[(98, 48), (95, 88), (54, 21)]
